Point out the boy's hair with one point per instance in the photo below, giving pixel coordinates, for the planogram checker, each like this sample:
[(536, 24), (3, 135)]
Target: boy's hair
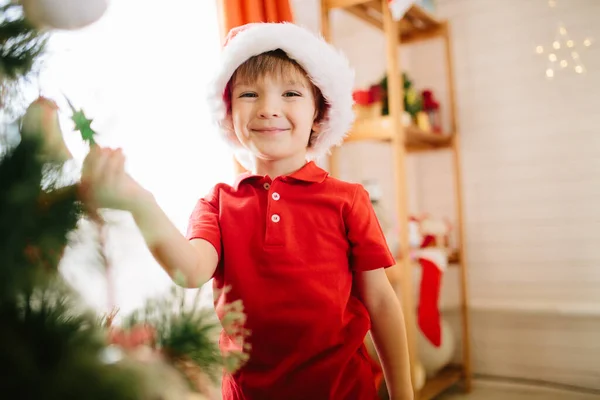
[(279, 64)]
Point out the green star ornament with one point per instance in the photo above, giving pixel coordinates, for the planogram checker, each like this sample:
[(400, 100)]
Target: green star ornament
[(82, 124)]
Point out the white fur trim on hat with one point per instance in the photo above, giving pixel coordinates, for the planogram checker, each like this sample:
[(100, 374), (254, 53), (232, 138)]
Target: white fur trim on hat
[(327, 68)]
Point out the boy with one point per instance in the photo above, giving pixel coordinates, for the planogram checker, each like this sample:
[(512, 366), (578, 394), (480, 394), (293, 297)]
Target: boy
[(303, 251)]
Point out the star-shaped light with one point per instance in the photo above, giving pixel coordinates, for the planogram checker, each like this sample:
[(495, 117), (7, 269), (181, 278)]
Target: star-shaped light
[(563, 52)]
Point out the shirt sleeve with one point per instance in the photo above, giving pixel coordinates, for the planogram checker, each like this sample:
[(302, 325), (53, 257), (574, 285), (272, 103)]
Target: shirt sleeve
[(368, 246), (204, 221)]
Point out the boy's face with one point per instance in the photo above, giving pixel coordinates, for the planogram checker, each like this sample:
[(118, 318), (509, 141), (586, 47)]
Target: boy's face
[(273, 116)]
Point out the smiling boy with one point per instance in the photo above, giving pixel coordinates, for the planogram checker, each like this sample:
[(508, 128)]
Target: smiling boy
[(302, 250)]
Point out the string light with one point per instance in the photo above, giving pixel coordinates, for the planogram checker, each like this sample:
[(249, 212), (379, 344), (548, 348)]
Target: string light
[(560, 49)]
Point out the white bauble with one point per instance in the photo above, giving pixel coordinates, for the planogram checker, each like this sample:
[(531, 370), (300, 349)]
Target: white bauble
[(63, 14), (435, 358)]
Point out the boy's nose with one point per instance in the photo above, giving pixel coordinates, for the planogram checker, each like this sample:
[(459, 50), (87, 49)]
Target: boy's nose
[(268, 109)]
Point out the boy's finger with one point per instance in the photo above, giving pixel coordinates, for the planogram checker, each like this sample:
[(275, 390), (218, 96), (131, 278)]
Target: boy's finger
[(97, 171), (115, 167), (90, 160)]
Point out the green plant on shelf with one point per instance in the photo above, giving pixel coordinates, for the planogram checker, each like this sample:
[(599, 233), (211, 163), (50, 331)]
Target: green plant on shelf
[(413, 102)]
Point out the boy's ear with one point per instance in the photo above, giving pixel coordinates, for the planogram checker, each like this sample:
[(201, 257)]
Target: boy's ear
[(316, 127), (316, 130)]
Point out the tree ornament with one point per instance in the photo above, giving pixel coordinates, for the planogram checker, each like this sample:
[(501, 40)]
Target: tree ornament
[(41, 121), (63, 14), (82, 124)]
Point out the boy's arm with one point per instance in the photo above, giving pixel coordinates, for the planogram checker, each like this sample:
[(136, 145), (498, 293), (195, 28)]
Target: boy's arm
[(195, 260), (105, 184), (388, 331)]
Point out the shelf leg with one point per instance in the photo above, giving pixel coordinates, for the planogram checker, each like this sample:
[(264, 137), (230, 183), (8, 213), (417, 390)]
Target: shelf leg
[(458, 190), (396, 107)]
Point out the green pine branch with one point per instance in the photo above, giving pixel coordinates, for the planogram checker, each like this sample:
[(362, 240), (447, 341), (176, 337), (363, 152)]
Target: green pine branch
[(184, 333), (36, 217), (22, 48)]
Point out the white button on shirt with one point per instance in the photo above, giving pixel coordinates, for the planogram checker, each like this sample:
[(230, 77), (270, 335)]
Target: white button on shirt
[(275, 196), (275, 218)]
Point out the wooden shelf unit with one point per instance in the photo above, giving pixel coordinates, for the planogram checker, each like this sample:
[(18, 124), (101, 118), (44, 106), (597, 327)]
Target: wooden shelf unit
[(416, 25)]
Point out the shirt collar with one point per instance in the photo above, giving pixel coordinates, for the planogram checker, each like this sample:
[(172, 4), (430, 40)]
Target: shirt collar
[(310, 172)]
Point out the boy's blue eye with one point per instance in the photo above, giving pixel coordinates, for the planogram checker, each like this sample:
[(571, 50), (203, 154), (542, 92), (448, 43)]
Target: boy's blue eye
[(291, 94), (247, 94)]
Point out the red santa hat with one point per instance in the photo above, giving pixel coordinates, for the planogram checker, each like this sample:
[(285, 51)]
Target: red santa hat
[(326, 67)]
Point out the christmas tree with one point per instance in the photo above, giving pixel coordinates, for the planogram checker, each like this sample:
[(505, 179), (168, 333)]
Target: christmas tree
[(55, 347)]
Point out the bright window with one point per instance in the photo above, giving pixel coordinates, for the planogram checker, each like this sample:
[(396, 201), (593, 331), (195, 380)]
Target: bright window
[(141, 73)]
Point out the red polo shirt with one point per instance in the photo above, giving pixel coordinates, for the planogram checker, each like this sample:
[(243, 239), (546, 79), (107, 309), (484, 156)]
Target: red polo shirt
[(288, 248)]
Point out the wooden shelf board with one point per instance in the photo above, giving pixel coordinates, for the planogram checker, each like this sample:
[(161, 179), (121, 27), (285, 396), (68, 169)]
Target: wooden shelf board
[(343, 3), (377, 129), (418, 140), (381, 130), (417, 24), (446, 378)]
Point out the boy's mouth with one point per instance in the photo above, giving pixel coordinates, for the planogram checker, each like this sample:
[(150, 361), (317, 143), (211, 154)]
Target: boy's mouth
[(269, 130)]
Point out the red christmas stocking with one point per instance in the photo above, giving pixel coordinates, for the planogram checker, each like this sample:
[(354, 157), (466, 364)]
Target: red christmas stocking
[(433, 262)]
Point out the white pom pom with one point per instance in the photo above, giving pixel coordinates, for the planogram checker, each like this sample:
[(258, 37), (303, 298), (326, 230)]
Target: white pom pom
[(63, 14)]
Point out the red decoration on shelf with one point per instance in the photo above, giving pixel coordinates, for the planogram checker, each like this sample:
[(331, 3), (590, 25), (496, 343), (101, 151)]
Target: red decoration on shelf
[(361, 97), (432, 107), (367, 97), (428, 313)]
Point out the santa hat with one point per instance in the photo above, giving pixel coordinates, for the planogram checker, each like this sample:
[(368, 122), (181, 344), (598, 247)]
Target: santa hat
[(326, 67)]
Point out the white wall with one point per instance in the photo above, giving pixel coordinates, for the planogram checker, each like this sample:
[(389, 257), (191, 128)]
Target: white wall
[(531, 172)]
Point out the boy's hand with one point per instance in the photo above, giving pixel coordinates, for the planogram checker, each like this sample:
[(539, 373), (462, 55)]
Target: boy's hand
[(105, 184)]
